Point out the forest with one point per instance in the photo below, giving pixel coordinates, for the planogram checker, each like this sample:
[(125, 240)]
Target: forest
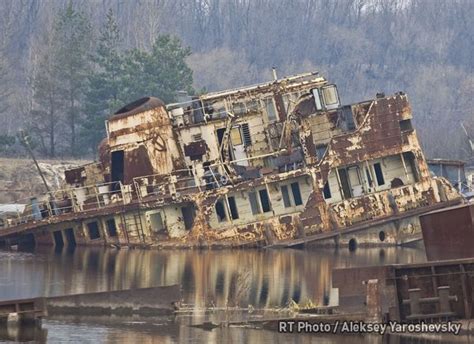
[(66, 66)]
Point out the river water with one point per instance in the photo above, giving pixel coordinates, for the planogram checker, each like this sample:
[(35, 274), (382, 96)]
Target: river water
[(215, 284)]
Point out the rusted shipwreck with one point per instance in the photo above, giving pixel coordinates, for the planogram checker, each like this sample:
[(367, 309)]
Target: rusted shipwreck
[(281, 163)]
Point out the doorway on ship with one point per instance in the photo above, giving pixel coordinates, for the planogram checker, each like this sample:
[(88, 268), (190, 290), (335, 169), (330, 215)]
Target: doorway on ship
[(117, 169)]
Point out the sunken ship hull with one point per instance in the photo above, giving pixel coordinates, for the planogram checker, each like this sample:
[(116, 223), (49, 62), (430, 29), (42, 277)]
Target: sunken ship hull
[(272, 165)]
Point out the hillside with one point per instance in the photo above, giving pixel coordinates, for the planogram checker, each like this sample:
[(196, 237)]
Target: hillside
[(19, 178)]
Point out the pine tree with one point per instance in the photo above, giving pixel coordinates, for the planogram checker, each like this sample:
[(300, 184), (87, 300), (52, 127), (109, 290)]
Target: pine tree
[(45, 115), (159, 73), (72, 35), (103, 95)]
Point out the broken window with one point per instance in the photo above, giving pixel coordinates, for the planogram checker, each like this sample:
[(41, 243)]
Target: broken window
[(111, 228), (295, 188), (369, 177), (233, 207), (270, 108), (93, 229), (321, 150), (188, 213), (379, 174), (156, 222), (252, 105), (254, 203), (220, 211), (355, 181), (345, 118), (317, 99), (239, 109), (260, 203), (286, 196), (296, 199), (330, 96), (327, 191), (346, 188), (410, 159), (235, 136), (265, 200), (405, 125)]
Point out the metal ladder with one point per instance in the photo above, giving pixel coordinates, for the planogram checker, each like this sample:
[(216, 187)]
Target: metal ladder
[(134, 224)]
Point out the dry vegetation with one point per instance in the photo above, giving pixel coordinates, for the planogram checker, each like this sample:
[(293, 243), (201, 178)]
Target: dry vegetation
[(422, 47)]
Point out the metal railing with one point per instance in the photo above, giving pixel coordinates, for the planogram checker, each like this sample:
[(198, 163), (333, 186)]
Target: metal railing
[(98, 196), (74, 200)]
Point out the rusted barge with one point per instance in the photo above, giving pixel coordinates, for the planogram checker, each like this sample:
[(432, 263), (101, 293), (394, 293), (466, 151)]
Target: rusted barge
[(276, 164)]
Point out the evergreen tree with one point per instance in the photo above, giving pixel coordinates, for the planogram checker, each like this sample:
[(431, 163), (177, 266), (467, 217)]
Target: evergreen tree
[(160, 73), (103, 95), (72, 35), (45, 114)]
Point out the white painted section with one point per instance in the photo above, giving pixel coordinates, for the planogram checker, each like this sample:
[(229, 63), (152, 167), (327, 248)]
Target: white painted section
[(392, 167), (355, 181), (278, 208), (174, 221)]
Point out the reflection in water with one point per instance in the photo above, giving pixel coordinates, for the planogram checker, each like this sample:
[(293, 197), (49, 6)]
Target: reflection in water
[(227, 278), (23, 334)]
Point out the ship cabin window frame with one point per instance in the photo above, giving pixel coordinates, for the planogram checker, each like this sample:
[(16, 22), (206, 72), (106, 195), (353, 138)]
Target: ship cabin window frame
[(239, 109), (330, 97), (294, 198), (260, 202), (111, 227), (379, 177), (272, 115), (221, 211), (316, 92), (157, 218), (327, 191), (226, 212), (93, 230)]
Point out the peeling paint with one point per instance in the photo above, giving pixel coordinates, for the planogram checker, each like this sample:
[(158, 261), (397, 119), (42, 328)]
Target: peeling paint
[(235, 169)]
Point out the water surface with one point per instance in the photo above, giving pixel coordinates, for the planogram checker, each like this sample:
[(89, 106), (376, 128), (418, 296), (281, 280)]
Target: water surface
[(219, 285)]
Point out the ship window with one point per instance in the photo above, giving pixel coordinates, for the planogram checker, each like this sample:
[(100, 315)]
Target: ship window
[(254, 203), (93, 229), (252, 105), (270, 107), (405, 125), (369, 177), (317, 99), (265, 200), (239, 109), (286, 196), (321, 150), (379, 174), (246, 134), (330, 96), (327, 191), (233, 208), (188, 213), (220, 211), (295, 188), (156, 222), (111, 228), (235, 137), (344, 179), (197, 137)]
